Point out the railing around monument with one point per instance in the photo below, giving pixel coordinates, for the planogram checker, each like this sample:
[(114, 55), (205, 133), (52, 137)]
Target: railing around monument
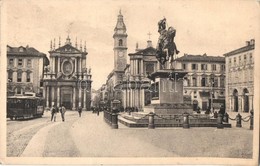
[(186, 120)]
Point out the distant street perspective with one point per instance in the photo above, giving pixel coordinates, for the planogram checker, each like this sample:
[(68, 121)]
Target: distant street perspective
[(97, 88)]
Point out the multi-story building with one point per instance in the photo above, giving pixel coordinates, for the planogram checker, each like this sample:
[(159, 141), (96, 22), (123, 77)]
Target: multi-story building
[(67, 81), (205, 81), (240, 78), (25, 67)]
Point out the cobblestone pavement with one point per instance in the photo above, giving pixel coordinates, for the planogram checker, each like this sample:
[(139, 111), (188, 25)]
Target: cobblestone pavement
[(90, 136)]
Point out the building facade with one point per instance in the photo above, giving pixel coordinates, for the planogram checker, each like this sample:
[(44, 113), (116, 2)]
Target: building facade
[(67, 81), (25, 67), (135, 85), (240, 78), (205, 81)]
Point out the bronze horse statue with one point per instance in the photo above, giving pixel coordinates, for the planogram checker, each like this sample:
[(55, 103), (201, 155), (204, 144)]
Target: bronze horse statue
[(166, 47)]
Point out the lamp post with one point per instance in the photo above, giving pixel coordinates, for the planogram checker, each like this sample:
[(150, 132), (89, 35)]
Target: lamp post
[(211, 92)]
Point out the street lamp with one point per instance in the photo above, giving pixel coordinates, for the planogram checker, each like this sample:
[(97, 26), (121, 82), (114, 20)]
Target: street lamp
[(211, 92)]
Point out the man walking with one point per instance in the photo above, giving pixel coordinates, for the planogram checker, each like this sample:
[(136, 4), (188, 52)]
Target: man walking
[(63, 110), (53, 113), (80, 110)]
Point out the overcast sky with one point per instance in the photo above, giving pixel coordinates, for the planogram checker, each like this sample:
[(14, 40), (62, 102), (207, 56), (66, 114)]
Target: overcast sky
[(212, 27)]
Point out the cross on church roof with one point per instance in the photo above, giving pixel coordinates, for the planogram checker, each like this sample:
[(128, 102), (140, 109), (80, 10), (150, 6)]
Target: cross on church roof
[(149, 34)]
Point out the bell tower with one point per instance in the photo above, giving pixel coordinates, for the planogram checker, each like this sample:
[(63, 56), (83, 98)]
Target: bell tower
[(120, 44)]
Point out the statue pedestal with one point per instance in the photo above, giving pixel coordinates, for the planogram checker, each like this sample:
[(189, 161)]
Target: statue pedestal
[(167, 93)]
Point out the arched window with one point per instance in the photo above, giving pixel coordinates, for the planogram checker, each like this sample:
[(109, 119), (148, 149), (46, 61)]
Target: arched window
[(19, 76), (203, 81), (120, 42), (222, 81), (194, 81), (28, 77), (19, 90), (235, 96)]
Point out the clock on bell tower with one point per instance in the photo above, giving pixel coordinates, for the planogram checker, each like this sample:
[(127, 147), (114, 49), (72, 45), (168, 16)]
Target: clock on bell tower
[(120, 44)]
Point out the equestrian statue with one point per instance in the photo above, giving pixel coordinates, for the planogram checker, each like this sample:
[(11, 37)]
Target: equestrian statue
[(166, 47)]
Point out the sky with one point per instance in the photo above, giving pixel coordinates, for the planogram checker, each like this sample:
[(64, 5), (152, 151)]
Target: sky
[(213, 27)]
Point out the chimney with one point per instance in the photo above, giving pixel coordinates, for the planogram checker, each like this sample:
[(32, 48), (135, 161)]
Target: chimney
[(252, 41), (149, 43), (247, 43)]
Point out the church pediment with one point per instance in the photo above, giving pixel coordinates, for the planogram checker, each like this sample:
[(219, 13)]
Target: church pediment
[(147, 51), (67, 49)]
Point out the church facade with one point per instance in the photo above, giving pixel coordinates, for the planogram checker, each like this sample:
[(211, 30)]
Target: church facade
[(66, 80)]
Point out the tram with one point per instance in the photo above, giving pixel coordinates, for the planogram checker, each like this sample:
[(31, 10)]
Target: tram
[(24, 107)]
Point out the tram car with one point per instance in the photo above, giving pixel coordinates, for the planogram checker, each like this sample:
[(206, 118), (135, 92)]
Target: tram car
[(25, 106)]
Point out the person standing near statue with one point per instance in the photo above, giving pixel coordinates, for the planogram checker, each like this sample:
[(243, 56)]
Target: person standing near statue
[(80, 110)]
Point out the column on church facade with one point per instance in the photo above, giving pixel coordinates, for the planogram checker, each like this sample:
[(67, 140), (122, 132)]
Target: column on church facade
[(131, 98), (134, 97), (142, 68), (47, 97), (74, 99), (58, 64), (131, 67), (80, 99), (44, 92), (84, 100), (58, 96), (142, 95), (53, 64), (134, 61), (138, 98), (53, 95), (125, 98), (80, 65), (75, 66)]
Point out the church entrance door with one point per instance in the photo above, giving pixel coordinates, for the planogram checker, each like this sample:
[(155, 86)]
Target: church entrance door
[(66, 97)]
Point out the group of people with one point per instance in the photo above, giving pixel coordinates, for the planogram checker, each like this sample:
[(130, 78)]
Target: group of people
[(55, 110), (62, 110), (208, 111)]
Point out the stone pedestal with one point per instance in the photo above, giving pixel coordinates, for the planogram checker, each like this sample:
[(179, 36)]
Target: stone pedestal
[(167, 93)]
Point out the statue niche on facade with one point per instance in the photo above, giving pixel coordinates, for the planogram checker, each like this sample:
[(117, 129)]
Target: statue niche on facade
[(166, 47)]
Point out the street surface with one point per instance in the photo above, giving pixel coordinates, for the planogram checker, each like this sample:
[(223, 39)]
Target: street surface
[(90, 136)]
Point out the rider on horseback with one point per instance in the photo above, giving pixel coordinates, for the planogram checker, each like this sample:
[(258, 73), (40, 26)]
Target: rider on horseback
[(166, 46)]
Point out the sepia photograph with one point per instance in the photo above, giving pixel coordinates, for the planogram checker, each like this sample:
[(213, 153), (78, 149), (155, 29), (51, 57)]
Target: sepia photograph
[(129, 82)]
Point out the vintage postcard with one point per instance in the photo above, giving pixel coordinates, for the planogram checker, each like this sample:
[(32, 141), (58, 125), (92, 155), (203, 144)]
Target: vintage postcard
[(129, 82)]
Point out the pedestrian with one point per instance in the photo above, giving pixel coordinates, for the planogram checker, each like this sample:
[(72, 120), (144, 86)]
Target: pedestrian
[(222, 110), (80, 110), (53, 112), (63, 110), (198, 110), (97, 111)]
